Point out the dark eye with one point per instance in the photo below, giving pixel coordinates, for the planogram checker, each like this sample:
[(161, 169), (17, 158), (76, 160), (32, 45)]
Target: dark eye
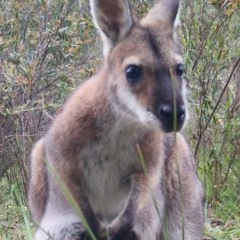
[(180, 68), (134, 73)]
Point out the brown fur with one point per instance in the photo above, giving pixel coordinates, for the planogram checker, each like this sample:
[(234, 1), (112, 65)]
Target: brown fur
[(110, 149), (38, 190)]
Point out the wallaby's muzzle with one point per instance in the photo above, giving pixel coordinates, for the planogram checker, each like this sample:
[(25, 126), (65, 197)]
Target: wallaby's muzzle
[(172, 118)]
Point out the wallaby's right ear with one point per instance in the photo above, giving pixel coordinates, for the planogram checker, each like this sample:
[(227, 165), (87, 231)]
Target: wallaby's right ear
[(113, 18), (164, 11)]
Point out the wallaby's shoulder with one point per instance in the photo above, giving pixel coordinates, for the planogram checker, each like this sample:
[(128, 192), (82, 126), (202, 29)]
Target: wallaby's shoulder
[(178, 152), (81, 117)]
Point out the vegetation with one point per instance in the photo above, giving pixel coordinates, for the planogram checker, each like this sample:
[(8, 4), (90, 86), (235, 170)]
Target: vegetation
[(48, 47)]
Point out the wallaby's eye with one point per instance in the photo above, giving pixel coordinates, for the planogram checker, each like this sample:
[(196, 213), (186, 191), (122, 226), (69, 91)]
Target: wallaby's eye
[(180, 68), (134, 73)]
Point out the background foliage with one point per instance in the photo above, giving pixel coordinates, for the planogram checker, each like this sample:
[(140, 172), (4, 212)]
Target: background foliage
[(48, 47)]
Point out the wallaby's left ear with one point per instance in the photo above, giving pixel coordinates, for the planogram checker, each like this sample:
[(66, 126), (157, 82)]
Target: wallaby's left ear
[(164, 11), (113, 18)]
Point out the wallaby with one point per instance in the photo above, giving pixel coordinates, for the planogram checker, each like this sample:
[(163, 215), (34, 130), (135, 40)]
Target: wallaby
[(114, 153)]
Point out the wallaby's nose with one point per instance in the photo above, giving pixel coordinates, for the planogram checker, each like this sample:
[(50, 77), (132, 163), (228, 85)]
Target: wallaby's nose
[(169, 115), (167, 111)]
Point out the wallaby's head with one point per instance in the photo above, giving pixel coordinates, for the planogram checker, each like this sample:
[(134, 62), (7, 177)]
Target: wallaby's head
[(143, 61)]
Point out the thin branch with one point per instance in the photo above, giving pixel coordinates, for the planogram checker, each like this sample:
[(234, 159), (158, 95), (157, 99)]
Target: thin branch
[(216, 106)]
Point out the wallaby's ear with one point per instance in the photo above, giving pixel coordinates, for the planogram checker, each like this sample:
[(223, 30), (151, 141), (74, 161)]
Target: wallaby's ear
[(164, 11), (113, 18)]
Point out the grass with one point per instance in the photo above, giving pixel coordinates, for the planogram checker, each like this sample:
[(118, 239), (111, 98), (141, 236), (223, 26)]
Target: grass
[(220, 230), (212, 64), (47, 48), (15, 220)]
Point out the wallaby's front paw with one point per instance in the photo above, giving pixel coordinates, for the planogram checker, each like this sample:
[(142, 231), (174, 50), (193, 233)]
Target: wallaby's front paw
[(73, 232), (121, 229)]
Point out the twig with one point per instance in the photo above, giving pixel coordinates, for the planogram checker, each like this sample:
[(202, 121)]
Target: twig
[(216, 106)]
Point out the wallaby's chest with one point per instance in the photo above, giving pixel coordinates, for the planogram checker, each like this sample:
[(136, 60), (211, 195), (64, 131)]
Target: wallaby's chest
[(106, 167)]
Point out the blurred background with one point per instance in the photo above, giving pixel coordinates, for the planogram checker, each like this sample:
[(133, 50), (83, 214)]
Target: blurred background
[(47, 48)]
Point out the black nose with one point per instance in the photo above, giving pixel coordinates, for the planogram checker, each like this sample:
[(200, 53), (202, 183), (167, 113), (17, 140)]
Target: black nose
[(170, 115)]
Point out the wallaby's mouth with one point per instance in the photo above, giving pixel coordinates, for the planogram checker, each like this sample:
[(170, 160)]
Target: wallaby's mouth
[(172, 118)]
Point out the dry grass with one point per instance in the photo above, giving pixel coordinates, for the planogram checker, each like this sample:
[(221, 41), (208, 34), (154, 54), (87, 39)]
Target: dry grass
[(49, 47)]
